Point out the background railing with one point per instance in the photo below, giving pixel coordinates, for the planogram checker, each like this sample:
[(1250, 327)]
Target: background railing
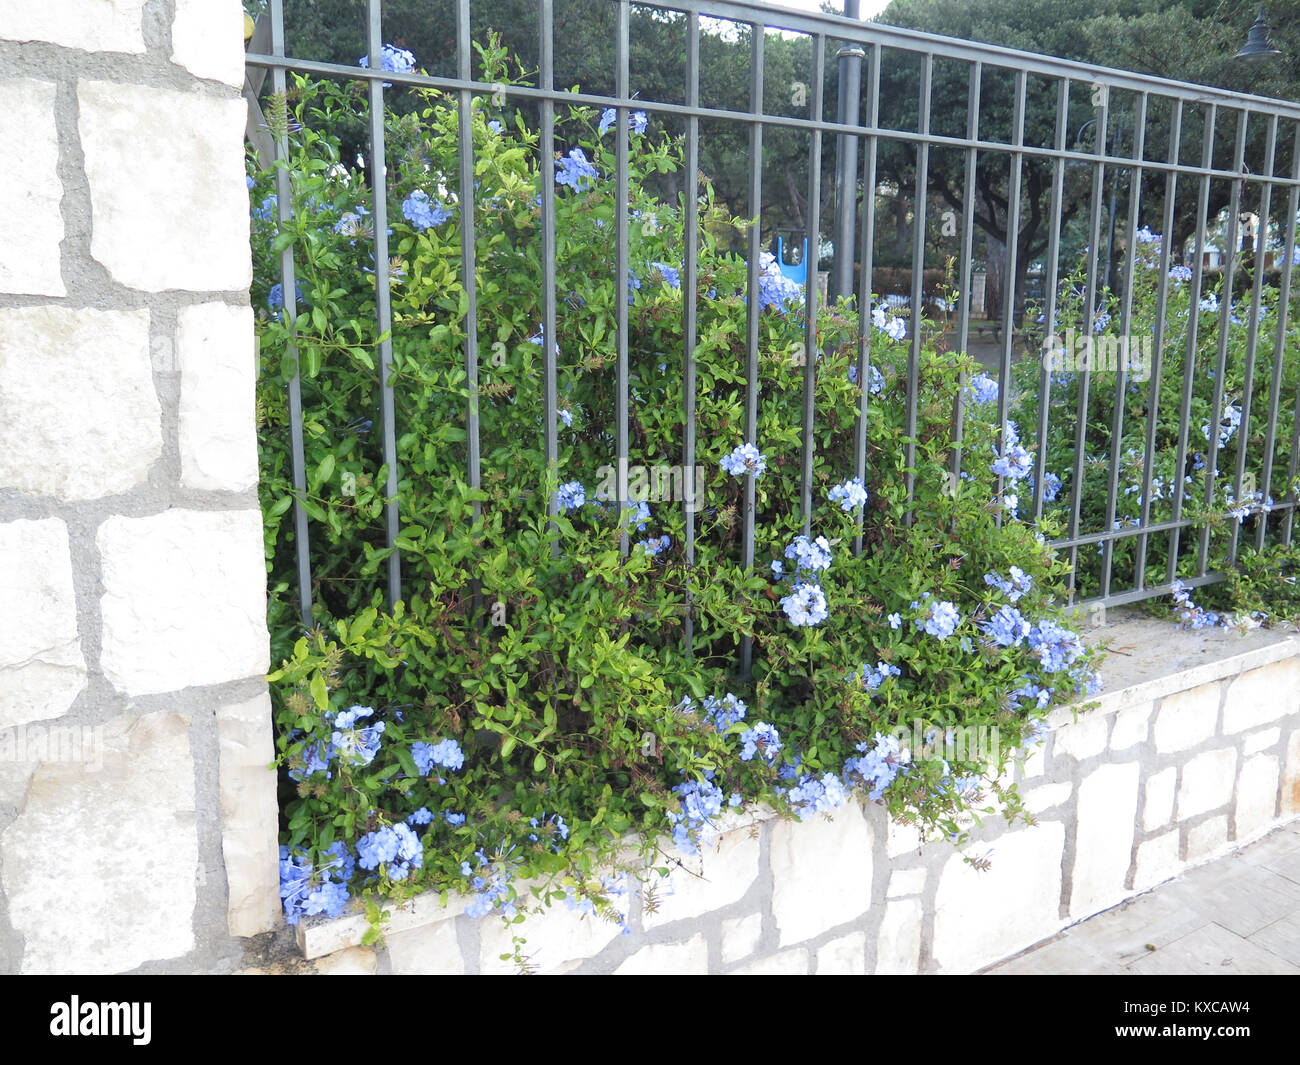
[(973, 154)]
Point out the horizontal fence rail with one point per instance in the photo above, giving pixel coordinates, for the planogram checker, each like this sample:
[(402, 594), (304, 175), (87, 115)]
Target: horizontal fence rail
[(1076, 166)]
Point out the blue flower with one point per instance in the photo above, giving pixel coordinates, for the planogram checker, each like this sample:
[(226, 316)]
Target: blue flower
[(814, 555), (938, 618), (874, 676), (636, 120), (422, 816), (571, 496), (669, 274), (356, 745), (983, 388), (805, 605), (1019, 583), (1007, 627), (424, 213), (851, 495), (1179, 274), (745, 459), (878, 764), (398, 60), (446, 753), (762, 739), (275, 298), (574, 170)]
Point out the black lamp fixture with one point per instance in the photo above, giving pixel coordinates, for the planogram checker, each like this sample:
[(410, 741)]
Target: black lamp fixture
[(1258, 45)]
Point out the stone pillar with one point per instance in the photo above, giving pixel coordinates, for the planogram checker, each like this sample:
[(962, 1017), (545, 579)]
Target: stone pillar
[(137, 813)]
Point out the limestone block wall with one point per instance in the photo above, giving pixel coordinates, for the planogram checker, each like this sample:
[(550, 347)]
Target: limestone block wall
[(1195, 751), (137, 816)]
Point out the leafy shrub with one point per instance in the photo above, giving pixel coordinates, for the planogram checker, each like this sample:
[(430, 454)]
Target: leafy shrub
[(535, 697)]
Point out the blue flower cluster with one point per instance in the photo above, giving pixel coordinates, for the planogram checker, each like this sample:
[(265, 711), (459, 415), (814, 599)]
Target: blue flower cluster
[(552, 828), (983, 388), (1016, 585), (1007, 628), (1179, 274), (745, 459), (762, 739), (1057, 648), (876, 378), (395, 847), (878, 764), (1228, 424), (938, 618), (445, 753), (812, 555), (1191, 616), (575, 170), (491, 884), (655, 545), (805, 605), (812, 795), (636, 120), (1014, 462), (874, 676), (671, 277), (894, 328), (424, 213), (398, 60), (356, 745), (699, 801), (306, 890), (850, 495), (723, 713), (571, 496)]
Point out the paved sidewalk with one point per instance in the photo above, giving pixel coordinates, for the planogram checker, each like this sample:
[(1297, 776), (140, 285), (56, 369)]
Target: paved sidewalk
[(1239, 914)]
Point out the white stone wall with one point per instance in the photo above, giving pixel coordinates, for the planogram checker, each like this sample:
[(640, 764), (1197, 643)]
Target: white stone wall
[(1197, 756), (137, 813)]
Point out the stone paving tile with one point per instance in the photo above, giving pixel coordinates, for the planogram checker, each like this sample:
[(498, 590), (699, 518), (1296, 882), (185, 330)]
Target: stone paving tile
[(1278, 851), (1281, 938), (1242, 898), (1059, 956), (1237, 915), (1212, 950), (1121, 935)]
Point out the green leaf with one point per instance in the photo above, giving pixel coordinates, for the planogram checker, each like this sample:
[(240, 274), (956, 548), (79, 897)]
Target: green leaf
[(539, 763), (319, 692)]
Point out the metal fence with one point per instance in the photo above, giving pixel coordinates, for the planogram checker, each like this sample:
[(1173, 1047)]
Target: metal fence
[(1012, 133)]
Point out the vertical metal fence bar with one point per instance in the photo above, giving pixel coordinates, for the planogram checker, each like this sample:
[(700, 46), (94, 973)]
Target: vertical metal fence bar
[(1288, 520), (1193, 330), (1252, 339), (546, 148), (963, 283), (383, 299), (690, 296), (623, 283), (1010, 286), (1089, 316), (289, 290), (467, 261), (1279, 346), (867, 257), (1157, 350), (810, 284), (1221, 362), (849, 85), (1125, 330), (755, 210), (1052, 280), (921, 185)]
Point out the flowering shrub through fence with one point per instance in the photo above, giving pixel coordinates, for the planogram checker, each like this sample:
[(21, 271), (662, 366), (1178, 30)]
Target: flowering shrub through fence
[(523, 710)]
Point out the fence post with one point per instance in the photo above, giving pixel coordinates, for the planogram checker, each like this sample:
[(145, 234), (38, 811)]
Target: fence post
[(846, 165)]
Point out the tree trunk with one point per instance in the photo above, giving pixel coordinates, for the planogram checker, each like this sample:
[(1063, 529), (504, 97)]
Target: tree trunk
[(995, 282)]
